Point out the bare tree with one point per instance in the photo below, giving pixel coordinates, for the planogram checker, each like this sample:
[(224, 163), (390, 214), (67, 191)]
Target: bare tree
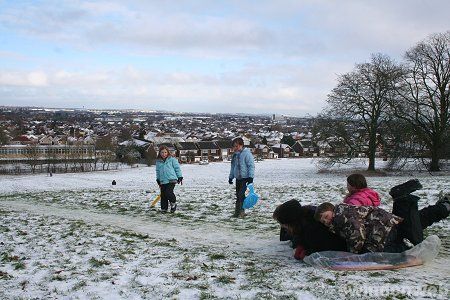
[(399, 144), (423, 94), (344, 138), (31, 153), (106, 146), (4, 139), (362, 95), (151, 155), (52, 158)]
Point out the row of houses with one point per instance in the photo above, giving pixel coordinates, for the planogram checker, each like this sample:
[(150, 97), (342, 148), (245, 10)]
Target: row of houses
[(189, 152), (186, 152)]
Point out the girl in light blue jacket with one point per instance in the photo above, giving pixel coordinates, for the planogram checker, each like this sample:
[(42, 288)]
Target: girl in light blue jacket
[(168, 173)]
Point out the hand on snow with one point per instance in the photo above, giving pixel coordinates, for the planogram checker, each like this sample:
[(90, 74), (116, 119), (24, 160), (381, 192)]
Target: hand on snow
[(299, 252), (180, 180), (230, 181)]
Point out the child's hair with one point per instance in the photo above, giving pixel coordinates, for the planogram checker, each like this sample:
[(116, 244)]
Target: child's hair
[(358, 181), (326, 206), (161, 148), (238, 141), (287, 212), (290, 213)]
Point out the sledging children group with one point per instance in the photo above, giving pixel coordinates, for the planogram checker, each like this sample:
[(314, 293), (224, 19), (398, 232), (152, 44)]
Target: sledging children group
[(357, 225)]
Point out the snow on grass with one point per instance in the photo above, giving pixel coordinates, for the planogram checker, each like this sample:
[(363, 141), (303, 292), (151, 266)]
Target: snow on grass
[(77, 236)]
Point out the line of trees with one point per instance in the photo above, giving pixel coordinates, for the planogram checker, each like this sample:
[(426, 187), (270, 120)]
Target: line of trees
[(401, 107)]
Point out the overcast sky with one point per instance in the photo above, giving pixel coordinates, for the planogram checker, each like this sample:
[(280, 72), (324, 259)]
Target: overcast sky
[(199, 56)]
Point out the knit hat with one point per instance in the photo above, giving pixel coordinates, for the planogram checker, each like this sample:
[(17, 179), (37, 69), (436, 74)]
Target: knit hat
[(288, 212)]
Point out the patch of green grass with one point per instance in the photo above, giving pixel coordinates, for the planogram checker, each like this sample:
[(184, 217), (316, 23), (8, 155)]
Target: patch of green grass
[(79, 285), (394, 280), (168, 243), (4, 229), (397, 296), (184, 216), (4, 275), (96, 263), (225, 279), (217, 256), (58, 277), (20, 265), (123, 253), (202, 286), (205, 295), (129, 241), (330, 281), (6, 257), (271, 295), (206, 267), (375, 274)]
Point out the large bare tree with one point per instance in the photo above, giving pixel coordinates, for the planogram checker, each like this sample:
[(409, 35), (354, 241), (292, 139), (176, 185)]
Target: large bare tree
[(362, 96), (423, 94)]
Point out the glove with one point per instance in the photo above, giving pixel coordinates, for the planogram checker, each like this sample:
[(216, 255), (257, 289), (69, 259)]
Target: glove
[(230, 181), (299, 253), (180, 180), (159, 182), (249, 180)]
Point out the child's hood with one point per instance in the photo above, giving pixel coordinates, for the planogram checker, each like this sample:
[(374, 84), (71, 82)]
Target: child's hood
[(372, 195), (363, 197)]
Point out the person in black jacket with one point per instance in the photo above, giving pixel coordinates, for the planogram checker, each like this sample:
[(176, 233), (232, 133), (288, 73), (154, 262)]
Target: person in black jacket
[(309, 236)]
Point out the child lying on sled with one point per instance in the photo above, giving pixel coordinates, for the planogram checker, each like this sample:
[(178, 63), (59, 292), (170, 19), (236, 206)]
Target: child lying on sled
[(372, 229), (309, 236)]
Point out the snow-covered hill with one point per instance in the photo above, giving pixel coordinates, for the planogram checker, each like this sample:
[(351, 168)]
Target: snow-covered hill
[(77, 236)]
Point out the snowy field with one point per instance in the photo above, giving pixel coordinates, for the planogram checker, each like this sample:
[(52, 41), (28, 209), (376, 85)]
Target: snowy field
[(75, 236)]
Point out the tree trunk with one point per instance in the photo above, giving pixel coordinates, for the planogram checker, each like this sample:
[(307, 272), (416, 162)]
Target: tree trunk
[(372, 148), (434, 164)]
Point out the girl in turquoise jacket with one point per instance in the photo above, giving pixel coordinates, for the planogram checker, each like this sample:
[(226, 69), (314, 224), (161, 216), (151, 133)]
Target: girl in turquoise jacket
[(168, 173)]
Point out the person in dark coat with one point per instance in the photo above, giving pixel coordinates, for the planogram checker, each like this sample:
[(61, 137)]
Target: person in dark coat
[(308, 235)]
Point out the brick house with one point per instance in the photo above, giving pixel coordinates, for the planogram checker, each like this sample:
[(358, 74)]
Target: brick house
[(188, 152), (209, 150), (283, 150), (306, 148), (225, 149)]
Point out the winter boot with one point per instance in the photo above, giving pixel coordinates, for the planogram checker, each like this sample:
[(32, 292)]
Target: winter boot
[(444, 199), (406, 188), (238, 209), (173, 207), (242, 214)]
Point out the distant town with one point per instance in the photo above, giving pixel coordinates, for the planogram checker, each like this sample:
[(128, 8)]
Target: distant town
[(72, 140)]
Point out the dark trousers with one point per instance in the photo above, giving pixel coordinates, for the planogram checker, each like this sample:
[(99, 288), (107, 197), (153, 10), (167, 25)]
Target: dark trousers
[(411, 226), (167, 195), (241, 187), (414, 222), (431, 214)]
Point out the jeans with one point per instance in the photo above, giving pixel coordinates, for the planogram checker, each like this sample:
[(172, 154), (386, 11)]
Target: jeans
[(167, 195), (241, 187)]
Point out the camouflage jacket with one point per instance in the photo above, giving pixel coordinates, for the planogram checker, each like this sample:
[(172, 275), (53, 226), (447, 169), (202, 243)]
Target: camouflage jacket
[(364, 228)]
